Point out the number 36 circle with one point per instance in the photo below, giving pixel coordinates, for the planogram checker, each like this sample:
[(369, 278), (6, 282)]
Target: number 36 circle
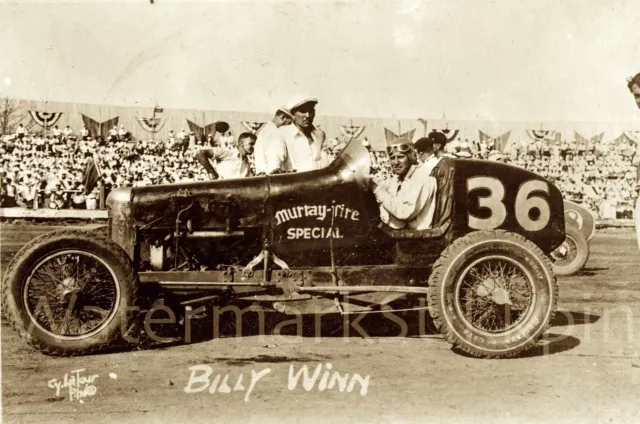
[(526, 200)]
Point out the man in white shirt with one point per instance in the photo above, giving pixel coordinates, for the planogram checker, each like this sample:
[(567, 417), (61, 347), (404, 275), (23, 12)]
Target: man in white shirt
[(122, 133), (407, 200), (634, 88), (266, 134), (182, 135), (55, 132), (229, 162), (21, 132), (299, 146), (84, 133), (113, 134)]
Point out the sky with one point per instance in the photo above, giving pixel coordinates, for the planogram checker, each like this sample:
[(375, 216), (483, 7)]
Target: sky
[(503, 60)]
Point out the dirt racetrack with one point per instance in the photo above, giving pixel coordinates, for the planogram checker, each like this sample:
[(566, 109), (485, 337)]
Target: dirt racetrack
[(583, 372)]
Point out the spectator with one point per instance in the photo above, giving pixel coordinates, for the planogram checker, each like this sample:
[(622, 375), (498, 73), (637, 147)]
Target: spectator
[(67, 132), (84, 133), (220, 136), (55, 132), (229, 162), (113, 134), (20, 132)]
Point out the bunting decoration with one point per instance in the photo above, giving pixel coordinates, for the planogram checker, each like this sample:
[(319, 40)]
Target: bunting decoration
[(152, 125), (99, 129), (199, 131), (581, 140), (351, 131), (498, 143), (392, 137), (45, 119), (253, 127), (544, 135), (620, 139), (424, 125), (91, 175)]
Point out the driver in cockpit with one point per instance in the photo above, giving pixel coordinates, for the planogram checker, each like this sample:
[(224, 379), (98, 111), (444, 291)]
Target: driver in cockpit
[(408, 199)]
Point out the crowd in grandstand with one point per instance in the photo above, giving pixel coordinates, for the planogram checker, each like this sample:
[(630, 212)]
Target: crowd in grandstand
[(49, 171)]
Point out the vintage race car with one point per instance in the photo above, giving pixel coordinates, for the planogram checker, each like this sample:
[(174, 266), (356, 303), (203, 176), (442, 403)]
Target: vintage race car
[(303, 243), (573, 254)]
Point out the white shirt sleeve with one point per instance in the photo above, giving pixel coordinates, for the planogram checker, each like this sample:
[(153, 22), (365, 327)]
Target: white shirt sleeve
[(276, 154), (416, 193)]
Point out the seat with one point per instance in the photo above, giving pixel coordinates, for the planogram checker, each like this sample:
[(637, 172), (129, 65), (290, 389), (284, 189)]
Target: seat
[(443, 173)]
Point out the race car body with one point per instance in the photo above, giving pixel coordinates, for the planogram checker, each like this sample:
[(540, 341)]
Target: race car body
[(309, 242)]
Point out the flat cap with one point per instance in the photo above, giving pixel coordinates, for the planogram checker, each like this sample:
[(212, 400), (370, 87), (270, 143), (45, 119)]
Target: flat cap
[(298, 100)]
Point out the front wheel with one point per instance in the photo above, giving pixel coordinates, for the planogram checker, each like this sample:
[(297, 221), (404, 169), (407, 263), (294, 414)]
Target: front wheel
[(492, 294), (70, 292)]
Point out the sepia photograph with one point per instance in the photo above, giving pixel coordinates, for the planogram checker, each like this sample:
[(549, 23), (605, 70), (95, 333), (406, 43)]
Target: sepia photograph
[(322, 211)]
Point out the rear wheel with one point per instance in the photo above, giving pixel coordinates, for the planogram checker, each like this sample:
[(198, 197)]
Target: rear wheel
[(69, 292), (492, 294), (572, 255)]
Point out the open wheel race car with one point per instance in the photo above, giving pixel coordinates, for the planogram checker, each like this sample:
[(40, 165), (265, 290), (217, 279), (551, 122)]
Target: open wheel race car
[(303, 243)]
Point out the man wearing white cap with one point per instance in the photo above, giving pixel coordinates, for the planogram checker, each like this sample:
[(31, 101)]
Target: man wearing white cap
[(264, 142), (297, 147)]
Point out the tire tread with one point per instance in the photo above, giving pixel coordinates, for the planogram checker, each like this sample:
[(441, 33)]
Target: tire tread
[(433, 297), (28, 248)]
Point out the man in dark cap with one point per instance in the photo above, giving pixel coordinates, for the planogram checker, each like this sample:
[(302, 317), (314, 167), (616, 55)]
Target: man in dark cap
[(430, 149)]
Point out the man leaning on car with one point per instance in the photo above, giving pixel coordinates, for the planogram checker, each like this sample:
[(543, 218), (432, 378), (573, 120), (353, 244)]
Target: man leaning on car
[(229, 162)]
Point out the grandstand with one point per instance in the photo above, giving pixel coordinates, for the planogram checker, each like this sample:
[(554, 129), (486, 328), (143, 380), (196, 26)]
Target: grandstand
[(44, 166)]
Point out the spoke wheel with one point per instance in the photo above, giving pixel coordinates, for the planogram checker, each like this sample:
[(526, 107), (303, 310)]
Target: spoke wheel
[(71, 294), (494, 294)]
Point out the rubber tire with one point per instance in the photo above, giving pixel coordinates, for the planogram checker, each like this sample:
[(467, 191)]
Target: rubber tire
[(442, 287), (45, 244), (581, 258)]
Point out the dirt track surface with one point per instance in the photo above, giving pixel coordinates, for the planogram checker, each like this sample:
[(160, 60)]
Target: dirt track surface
[(582, 372)]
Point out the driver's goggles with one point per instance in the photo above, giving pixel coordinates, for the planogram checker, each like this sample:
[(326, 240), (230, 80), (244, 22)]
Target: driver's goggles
[(403, 148)]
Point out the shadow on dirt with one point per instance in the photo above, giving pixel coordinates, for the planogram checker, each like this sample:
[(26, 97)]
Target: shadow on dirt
[(551, 344), (589, 272), (564, 318), (249, 323)]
